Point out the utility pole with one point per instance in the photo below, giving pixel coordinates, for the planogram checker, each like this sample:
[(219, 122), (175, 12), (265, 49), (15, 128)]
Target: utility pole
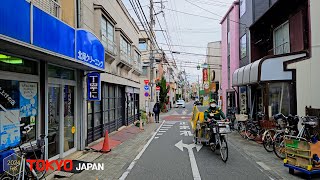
[(151, 50)]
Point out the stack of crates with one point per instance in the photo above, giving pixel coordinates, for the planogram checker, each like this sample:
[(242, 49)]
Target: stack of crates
[(299, 152)]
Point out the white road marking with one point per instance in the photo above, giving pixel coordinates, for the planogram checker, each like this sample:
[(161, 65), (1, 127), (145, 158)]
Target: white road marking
[(160, 134), (264, 166), (164, 128), (156, 137), (126, 173), (167, 125), (195, 171), (162, 131)]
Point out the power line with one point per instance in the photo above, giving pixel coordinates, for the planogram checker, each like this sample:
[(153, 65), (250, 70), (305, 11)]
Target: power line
[(141, 10), (196, 54), (192, 14), (193, 46), (214, 13), (141, 21)]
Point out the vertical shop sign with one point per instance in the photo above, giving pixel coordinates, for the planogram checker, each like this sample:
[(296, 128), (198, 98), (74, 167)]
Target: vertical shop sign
[(94, 87), (28, 99)]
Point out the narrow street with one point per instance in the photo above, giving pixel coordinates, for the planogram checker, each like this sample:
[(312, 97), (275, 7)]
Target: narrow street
[(164, 160)]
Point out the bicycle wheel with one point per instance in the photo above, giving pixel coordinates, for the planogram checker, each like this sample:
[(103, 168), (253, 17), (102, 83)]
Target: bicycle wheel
[(35, 174), (251, 131), (241, 129), (278, 146), (224, 149), (267, 140)]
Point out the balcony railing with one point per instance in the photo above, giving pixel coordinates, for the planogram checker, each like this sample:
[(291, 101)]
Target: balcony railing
[(125, 57), (110, 46), (50, 6)]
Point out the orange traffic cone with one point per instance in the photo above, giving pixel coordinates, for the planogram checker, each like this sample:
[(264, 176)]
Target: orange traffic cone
[(105, 147)]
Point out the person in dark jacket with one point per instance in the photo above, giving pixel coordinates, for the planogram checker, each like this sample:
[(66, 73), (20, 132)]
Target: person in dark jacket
[(156, 111)]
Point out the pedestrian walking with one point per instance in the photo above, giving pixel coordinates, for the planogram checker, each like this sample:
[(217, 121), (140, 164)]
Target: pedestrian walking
[(156, 111)]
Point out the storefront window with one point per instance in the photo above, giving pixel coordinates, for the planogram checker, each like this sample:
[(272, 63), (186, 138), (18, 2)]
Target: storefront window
[(18, 105), (280, 98), (18, 65)]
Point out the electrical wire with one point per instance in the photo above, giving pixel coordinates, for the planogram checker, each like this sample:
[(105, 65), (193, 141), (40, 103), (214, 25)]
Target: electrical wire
[(196, 54), (144, 15), (214, 13), (141, 21), (193, 46)]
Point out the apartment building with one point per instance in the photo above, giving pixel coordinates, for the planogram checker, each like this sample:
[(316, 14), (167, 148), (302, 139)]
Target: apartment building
[(229, 55), (279, 71), (44, 58), (115, 28), (214, 62)]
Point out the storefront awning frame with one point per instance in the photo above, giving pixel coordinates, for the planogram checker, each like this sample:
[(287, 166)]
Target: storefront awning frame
[(267, 69)]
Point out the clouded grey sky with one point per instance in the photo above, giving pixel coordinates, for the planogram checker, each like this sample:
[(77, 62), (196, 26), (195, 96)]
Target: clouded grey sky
[(187, 30)]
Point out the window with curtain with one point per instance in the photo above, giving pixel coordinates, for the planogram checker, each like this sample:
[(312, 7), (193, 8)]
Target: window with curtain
[(282, 39)]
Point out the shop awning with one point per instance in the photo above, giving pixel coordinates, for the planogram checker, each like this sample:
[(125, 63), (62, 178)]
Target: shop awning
[(270, 68)]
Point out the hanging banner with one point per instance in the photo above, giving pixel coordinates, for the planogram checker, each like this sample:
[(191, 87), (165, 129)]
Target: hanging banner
[(205, 75), (94, 87), (28, 99)]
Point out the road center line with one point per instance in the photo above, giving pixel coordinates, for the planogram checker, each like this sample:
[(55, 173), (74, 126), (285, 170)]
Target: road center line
[(126, 173)]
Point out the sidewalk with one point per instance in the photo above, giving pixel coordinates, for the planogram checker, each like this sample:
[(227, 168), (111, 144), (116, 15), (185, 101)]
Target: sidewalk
[(125, 144), (267, 162)]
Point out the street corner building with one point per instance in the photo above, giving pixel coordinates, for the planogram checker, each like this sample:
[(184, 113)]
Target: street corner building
[(70, 69)]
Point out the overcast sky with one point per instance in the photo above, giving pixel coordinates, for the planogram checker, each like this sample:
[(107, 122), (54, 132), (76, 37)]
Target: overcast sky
[(187, 30)]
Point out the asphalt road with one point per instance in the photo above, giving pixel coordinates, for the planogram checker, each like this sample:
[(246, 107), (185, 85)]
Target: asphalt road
[(163, 160)]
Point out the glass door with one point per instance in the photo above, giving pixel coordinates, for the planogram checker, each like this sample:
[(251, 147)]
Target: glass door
[(69, 126), (61, 119), (54, 121)]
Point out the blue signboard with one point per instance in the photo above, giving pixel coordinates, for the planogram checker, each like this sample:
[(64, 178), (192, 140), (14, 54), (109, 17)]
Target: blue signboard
[(146, 88), (146, 94), (52, 34), (15, 19), (94, 87), (89, 49)]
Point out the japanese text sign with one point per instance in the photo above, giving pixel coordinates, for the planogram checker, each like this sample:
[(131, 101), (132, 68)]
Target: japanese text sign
[(94, 87)]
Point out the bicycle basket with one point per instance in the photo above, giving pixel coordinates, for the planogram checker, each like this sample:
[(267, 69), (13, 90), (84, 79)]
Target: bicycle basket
[(311, 120), (224, 128)]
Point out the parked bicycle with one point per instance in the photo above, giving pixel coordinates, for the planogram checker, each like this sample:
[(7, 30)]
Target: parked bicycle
[(289, 128), (283, 124), (253, 128), (32, 152)]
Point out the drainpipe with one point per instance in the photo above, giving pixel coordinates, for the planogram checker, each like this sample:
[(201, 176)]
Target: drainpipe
[(78, 13), (237, 97)]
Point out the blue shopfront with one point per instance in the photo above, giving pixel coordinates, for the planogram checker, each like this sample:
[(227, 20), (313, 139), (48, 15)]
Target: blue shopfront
[(43, 68)]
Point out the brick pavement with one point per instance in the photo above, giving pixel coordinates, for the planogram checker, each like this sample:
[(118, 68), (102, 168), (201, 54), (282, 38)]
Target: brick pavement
[(129, 141)]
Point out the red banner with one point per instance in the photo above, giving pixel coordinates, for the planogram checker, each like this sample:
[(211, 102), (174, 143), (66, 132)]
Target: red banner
[(205, 75)]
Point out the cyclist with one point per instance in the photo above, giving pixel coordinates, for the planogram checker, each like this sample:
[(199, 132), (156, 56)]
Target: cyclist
[(213, 112)]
